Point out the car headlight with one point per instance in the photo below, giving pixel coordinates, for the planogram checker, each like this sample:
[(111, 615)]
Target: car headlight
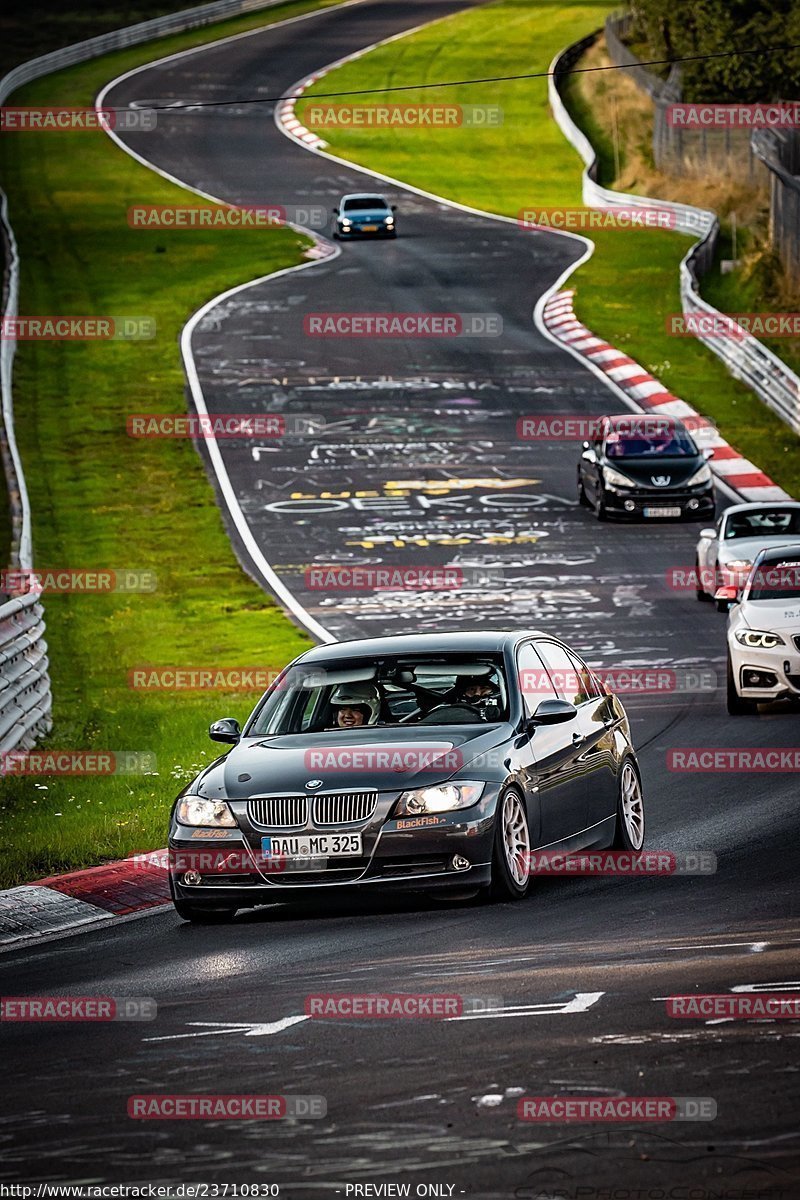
[(615, 479), (389, 220), (345, 222), (701, 475), (737, 564), (442, 798), (194, 810), (758, 639)]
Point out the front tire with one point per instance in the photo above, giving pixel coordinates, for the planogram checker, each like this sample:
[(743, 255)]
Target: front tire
[(629, 832), (583, 499), (512, 848), (737, 707), (699, 591)]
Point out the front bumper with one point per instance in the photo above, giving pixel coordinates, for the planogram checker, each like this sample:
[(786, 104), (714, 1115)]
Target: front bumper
[(382, 231), (762, 674), (694, 503), (409, 854)]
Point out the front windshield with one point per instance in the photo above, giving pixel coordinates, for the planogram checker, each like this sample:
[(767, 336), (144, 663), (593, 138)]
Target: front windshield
[(365, 202), (399, 690), (765, 521), (775, 581), (660, 443)]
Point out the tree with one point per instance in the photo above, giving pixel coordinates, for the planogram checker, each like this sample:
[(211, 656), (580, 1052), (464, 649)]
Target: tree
[(674, 31)]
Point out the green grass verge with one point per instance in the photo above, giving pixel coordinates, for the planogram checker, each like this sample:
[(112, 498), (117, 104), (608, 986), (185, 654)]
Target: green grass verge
[(101, 499), (625, 291)]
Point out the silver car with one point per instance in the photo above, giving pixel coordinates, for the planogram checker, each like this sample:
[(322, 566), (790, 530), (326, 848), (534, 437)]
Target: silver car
[(726, 552)]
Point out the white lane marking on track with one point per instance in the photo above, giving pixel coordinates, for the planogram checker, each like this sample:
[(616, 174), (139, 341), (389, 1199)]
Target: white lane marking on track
[(262, 1029), (581, 1003), (753, 947)]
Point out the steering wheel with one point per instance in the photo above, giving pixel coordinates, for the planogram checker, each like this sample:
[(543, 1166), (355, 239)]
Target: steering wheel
[(446, 712)]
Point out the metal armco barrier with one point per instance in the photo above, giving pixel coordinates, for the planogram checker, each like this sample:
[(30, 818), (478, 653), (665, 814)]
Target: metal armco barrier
[(25, 700), (25, 695), (746, 358)]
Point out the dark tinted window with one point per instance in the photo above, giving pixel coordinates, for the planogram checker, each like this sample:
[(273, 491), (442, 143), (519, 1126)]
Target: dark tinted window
[(775, 581), (365, 202), (570, 677), (661, 443), (534, 680)]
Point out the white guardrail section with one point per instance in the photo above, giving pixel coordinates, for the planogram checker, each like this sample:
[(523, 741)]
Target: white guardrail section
[(25, 696), (744, 356)]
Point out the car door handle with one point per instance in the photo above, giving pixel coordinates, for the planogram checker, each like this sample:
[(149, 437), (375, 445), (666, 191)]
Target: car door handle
[(577, 738)]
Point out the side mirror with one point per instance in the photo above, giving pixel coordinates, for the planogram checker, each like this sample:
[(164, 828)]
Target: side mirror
[(394, 208), (709, 534), (225, 730), (726, 597), (586, 446), (552, 712), (708, 453), (334, 211)]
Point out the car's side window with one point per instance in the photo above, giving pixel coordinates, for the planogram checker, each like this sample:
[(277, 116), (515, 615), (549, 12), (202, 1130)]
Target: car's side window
[(309, 709), (565, 671), (590, 686), (534, 680)]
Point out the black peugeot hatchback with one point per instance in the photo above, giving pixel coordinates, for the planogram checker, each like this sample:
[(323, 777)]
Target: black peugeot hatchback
[(645, 466), (412, 762)]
